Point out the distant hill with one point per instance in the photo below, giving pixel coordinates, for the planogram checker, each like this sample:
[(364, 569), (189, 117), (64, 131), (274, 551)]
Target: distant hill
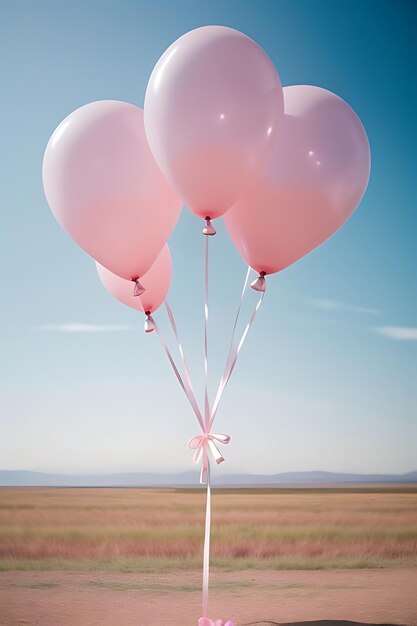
[(23, 478)]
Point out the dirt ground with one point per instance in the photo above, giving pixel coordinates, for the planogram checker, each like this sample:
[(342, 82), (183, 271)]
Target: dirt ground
[(57, 598)]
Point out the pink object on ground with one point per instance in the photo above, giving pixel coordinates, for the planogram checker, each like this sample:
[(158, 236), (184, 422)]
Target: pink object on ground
[(105, 188), (212, 108), (156, 283), (311, 186), (204, 621)]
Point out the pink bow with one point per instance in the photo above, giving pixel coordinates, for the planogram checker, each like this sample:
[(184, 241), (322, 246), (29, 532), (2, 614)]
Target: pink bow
[(203, 444), (204, 621)]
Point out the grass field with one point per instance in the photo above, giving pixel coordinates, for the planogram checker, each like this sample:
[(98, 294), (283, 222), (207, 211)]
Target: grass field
[(145, 530)]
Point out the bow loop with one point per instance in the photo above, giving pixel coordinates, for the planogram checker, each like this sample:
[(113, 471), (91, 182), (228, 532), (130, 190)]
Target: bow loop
[(194, 442), (203, 445)]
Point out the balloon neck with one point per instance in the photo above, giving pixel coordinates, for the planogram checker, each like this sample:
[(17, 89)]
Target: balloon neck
[(260, 283), (149, 325), (138, 289), (208, 229)]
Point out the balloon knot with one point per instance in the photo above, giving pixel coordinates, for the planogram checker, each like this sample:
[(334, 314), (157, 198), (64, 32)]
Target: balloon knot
[(149, 325), (138, 289), (260, 283), (208, 229)]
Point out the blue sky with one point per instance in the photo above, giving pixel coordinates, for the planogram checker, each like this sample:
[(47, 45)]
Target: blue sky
[(327, 379)]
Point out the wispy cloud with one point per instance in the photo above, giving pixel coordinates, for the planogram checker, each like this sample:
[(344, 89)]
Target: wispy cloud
[(397, 332), (335, 305), (76, 327)]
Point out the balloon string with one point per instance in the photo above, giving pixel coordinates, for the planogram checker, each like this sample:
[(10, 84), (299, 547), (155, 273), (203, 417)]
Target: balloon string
[(206, 316), (207, 528), (239, 308), (185, 364), (185, 384), (206, 554), (234, 351)]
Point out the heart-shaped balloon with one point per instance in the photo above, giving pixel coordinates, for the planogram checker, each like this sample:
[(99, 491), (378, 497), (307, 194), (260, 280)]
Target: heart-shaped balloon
[(310, 187)]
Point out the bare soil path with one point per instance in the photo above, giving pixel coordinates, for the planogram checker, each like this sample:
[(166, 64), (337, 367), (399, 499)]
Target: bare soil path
[(71, 598)]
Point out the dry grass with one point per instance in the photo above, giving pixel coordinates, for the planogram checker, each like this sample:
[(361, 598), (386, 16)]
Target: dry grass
[(163, 528)]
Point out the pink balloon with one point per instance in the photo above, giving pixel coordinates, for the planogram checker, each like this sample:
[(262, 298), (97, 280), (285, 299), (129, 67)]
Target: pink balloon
[(156, 282), (105, 189), (212, 107), (310, 187)]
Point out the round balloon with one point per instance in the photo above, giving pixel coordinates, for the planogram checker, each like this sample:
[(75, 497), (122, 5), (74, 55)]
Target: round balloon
[(105, 189), (312, 184), (156, 282), (212, 108)]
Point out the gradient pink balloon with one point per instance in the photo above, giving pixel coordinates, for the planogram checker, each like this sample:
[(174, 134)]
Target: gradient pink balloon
[(310, 187), (105, 189), (156, 282), (212, 108)]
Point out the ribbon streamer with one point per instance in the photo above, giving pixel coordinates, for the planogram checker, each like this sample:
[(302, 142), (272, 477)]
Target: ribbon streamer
[(234, 351), (193, 400), (202, 446), (242, 295), (186, 387), (206, 551), (206, 315)]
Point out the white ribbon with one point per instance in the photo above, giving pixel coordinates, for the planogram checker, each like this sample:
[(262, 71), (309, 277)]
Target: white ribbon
[(234, 351), (188, 382), (185, 384), (206, 317)]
